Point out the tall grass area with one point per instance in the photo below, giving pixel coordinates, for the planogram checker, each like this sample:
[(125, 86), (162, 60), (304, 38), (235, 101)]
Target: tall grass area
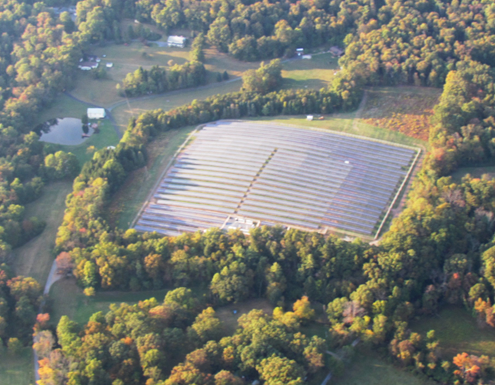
[(345, 123), (128, 201), (17, 369)]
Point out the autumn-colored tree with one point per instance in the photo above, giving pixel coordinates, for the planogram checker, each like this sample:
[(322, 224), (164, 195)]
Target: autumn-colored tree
[(64, 263), (302, 308), (470, 367)]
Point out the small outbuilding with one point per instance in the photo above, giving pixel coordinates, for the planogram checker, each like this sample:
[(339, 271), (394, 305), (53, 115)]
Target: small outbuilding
[(96, 113), (307, 57), (176, 41), (309, 117), (336, 51), (109, 65), (88, 65), (299, 51)]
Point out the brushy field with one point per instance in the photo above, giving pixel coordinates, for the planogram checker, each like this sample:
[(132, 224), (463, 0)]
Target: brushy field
[(458, 332), (369, 369), (18, 369), (126, 203), (403, 109), (345, 122), (34, 259)]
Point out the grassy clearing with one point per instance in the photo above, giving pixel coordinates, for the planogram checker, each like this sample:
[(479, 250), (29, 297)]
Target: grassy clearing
[(229, 319), (458, 332), (17, 370), (369, 369), (123, 113), (475, 172), (403, 109), (129, 199), (34, 259), (63, 107), (316, 73), (68, 299), (344, 123)]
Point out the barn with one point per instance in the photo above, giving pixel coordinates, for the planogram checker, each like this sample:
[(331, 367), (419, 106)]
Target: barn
[(96, 113)]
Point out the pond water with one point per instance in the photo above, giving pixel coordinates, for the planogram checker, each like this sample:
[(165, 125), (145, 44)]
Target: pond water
[(66, 131)]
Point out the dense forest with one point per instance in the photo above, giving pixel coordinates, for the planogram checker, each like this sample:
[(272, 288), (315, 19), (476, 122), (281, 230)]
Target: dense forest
[(440, 250)]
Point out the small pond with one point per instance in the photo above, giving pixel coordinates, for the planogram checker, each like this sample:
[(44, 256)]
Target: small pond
[(67, 131)]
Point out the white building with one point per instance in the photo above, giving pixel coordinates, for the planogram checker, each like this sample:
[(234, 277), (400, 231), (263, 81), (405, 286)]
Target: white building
[(96, 113), (307, 57), (176, 41), (88, 65)]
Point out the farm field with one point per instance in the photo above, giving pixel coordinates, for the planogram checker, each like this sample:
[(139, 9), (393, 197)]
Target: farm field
[(272, 181), (34, 259), (17, 370), (402, 109), (369, 369), (458, 332)]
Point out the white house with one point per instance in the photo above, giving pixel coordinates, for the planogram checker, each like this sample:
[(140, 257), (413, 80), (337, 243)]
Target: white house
[(176, 41), (96, 113), (88, 65)]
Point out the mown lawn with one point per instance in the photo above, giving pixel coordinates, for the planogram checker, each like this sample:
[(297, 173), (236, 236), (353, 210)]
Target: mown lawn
[(34, 259), (63, 107), (18, 369), (128, 200), (458, 332), (315, 73)]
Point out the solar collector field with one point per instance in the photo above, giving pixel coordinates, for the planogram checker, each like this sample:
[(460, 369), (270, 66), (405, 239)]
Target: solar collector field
[(276, 174)]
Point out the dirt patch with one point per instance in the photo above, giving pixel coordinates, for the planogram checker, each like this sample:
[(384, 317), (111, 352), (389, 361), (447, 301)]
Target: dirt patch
[(229, 318), (407, 110)]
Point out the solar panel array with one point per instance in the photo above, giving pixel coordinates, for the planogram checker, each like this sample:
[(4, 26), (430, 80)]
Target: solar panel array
[(277, 175)]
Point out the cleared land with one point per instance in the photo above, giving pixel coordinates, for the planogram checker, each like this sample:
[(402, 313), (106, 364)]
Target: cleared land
[(475, 172), (34, 259), (128, 58), (242, 174), (403, 109), (316, 73), (458, 332), (229, 318)]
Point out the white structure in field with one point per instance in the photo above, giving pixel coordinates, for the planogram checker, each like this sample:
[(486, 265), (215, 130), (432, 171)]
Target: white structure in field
[(96, 113), (176, 41), (309, 117), (306, 56)]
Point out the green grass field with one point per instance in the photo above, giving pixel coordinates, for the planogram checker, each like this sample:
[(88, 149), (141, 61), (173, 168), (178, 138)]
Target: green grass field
[(63, 107), (458, 332), (123, 113), (68, 299), (367, 368), (17, 370), (129, 199), (316, 73), (34, 259)]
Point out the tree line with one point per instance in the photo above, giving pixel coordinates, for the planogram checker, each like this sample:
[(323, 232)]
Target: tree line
[(157, 80)]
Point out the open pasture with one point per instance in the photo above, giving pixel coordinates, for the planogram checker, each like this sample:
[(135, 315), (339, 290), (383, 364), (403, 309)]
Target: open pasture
[(243, 174)]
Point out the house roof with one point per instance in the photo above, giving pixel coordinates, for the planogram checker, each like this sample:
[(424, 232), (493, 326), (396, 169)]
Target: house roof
[(176, 39)]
